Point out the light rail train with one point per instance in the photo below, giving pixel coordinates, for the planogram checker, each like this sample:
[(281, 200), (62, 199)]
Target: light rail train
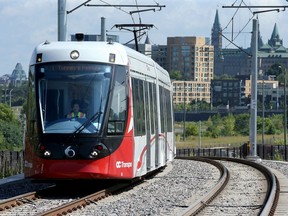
[(124, 128)]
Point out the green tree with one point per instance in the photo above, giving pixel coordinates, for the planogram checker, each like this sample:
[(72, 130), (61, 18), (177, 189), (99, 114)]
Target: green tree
[(175, 75), (228, 125), (214, 129), (192, 129), (275, 69), (19, 95), (10, 129), (11, 136), (6, 113), (242, 124), (277, 121)]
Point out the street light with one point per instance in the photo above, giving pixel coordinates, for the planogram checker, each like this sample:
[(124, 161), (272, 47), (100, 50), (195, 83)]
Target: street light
[(184, 117), (285, 114), (10, 96)]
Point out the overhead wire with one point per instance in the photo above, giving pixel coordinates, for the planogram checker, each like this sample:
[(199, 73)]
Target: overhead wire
[(119, 8), (232, 20), (210, 41), (129, 13), (140, 21)]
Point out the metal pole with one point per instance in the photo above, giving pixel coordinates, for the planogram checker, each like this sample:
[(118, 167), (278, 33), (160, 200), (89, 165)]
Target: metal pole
[(199, 140), (62, 16), (184, 117), (285, 117), (10, 96), (103, 29), (263, 109), (253, 105)]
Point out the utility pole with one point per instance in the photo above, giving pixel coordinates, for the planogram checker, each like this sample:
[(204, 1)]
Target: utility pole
[(253, 104), (62, 20), (285, 116)]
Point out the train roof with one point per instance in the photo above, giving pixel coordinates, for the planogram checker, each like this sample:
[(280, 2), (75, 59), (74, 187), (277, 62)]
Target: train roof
[(90, 51)]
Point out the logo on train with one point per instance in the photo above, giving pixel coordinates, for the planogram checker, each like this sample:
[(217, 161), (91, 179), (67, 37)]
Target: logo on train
[(122, 164)]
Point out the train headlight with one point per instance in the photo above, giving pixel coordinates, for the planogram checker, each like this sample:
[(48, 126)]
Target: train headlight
[(47, 153), (94, 153), (74, 54)]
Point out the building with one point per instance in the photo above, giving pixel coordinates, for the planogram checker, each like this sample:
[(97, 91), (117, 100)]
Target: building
[(237, 92), (237, 61), (188, 91), (145, 48), (216, 41), (159, 54), (230, 93), (269, 93), (17, 77), (193, 57)]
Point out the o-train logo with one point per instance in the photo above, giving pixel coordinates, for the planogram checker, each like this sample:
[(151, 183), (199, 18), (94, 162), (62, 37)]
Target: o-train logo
[(122, 164)]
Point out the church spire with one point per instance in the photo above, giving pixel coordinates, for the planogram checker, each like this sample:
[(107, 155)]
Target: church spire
[(216, 33), (216, 24), (216, 41), (275, 40)]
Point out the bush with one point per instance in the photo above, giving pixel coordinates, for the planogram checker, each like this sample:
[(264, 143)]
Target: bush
[(11, 135)]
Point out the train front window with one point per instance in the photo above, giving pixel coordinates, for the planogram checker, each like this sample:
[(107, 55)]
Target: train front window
[(73, 96)]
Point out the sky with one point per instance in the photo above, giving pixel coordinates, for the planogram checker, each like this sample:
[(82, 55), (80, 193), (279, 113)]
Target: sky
[(26, 23)]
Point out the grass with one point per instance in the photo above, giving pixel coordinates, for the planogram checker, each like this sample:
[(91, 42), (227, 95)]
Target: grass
[(233, 141)]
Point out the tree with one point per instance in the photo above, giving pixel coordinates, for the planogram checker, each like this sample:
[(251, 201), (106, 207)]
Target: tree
[(10, 129), (175, 75), (6, 113), (229, 125), (10, 136), (242, 124), (191, 129), (275, 69), (214, 129)]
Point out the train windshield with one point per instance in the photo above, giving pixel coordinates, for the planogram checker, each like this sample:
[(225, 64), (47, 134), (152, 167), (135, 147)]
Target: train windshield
[(73, 96)]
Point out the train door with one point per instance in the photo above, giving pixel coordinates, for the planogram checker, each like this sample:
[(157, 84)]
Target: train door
[(154, 134), (163, 119), (148, 124), (152, 139)]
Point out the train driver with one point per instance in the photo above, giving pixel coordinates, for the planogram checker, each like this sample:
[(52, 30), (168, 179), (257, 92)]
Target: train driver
[(75, 113)]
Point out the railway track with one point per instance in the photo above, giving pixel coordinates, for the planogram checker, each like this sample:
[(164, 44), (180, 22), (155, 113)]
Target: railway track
[(212, 200), (70, 201), (207, 204), (38, 199)]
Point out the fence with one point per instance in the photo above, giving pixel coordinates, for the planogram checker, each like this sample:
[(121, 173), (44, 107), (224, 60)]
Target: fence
[(266, 152), (11, 163)]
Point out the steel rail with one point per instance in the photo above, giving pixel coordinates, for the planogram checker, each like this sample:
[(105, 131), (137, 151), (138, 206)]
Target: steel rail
[(210, 195), (273, 191), (84, 201)]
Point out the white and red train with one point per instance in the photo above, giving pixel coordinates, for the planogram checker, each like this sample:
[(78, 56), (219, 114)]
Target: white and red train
[(126, 126)]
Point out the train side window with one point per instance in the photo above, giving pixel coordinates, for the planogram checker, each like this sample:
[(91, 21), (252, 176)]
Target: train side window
[(152, 106), (169, 110), (138, 107), (118, 110), (162, 109)]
